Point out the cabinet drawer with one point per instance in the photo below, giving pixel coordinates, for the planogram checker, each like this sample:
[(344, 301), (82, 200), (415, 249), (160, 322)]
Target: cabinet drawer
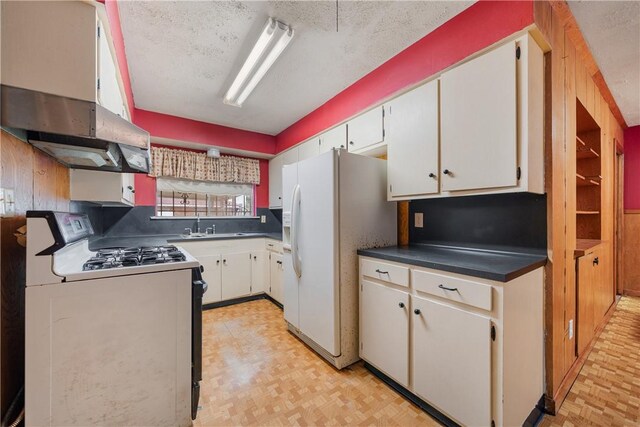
[(452, 288), (391, 273), (273, 245)]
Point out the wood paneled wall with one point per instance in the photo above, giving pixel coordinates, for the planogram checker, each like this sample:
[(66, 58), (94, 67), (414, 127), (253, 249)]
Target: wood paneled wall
[(39, 182), (571, 74)]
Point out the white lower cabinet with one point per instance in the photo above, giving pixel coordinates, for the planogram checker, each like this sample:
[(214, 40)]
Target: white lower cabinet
[(212, 274), (235, 268), (276, 282), (236, 275), (472, 348), (384, 329), (452, 360)]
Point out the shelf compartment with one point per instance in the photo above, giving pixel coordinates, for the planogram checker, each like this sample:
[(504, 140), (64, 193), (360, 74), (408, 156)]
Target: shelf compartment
[(586, 153), (582, 181)]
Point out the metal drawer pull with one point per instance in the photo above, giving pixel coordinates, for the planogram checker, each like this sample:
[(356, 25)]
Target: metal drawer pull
[(417, 311), (401, 305), (448, 289), (381, 272), (596, 261)]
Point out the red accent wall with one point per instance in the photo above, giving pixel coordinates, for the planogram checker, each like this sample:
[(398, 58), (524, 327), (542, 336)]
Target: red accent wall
[(477, 27), (632, 168)]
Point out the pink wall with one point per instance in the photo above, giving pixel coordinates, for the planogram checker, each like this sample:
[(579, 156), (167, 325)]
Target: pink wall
[(632, 168), (479, 26)]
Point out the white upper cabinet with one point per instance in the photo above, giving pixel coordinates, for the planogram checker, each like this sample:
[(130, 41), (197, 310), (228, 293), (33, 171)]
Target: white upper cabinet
[(290, 156), (308, 149), (491, 122), (412, 143), (479, 122), (275, 182), (334, 138), (41, 51), (105, 188), (366, 130)]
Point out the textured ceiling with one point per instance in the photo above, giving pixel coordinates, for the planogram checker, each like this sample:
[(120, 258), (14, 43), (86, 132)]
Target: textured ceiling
[(183, 55), (612, 31)]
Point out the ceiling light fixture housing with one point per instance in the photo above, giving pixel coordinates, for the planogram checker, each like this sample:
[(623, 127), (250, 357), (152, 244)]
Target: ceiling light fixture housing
[(272, 42)]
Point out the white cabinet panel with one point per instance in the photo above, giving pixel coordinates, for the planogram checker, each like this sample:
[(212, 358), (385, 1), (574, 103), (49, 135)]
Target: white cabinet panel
[(290, 156), (109, 95), (365, 130), (334, 138), (259, 269), (308, 149), (384, 329), (412, 142), (451, 363), (479, 125), (107, 188), (275, 182), (211, 275), (276, 276), (236, 275)]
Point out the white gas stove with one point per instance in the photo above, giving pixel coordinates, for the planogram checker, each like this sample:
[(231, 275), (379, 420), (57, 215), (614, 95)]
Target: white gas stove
[(113, 336)]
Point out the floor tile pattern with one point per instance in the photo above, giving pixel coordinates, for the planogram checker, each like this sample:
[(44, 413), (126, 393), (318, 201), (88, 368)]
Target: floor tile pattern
[(607, 391), (256, 373)]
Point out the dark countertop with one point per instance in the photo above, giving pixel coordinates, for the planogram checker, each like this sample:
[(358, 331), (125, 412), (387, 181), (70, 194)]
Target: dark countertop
[(499, 264), (99, 242)]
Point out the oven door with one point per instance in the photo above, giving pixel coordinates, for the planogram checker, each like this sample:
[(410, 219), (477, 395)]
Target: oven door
[(199, 287)]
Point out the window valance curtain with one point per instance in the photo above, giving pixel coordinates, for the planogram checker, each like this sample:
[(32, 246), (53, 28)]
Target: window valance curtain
[(197, 166)]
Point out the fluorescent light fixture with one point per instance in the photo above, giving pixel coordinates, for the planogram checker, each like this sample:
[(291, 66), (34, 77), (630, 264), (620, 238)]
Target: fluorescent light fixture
[(272, 41)]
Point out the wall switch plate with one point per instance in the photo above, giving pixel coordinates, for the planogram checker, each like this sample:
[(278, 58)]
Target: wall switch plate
[(7, 203), (419, 220), (571, 329), (263, 219)]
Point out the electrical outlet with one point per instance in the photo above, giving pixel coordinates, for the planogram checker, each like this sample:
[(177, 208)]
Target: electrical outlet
[(419, 220), (571, 329), (263, 219)]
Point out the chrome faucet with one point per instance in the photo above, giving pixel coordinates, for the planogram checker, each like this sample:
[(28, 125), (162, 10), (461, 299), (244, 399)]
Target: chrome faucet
[(197, 223), (211, 230)]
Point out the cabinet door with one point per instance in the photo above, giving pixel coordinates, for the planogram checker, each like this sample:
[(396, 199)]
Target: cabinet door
[(212, 275), (384, 329), (128, 188), (275, 182), (412, 142), (259, 272), (309, 149), (451, 363), (276, 276), (109, 95), (604, 291), (334, 138), (478, 122), (236, 275), (366, 129), (586, 311), (290, 156)]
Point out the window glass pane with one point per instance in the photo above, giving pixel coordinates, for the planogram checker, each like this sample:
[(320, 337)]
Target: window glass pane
[(212, 203)]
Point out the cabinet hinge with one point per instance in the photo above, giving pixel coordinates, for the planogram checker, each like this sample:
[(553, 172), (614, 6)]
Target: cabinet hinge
[(361, 346), (493, 333), (98, 83), (518, 173), (390, 188), (383, 133), (518, 52), (493, 423), (383, 112), (98, 31)]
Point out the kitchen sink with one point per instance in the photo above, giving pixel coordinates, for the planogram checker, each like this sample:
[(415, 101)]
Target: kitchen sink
[(210, 236)]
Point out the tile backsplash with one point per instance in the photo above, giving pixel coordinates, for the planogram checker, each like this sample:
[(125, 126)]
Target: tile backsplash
[(515, 219), (136, 221)]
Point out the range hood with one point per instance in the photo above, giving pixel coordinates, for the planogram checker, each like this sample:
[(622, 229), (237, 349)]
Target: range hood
[(81, 134)]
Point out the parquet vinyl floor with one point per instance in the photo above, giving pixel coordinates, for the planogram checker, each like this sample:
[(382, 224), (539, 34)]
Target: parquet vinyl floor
[(607, 390), (255, 373)]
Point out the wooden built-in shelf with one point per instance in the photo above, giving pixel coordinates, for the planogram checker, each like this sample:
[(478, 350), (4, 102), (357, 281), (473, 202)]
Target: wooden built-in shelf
[(587, 212), (582, 181), (585, 246), (586, 153)]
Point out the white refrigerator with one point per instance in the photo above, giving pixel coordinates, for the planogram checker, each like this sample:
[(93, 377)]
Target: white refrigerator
[(333, 205)]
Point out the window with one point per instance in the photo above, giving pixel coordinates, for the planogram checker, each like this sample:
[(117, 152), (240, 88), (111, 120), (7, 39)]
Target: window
[(178, 197)]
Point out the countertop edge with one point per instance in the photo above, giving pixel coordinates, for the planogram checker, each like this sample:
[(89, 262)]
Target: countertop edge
[(482, 274)]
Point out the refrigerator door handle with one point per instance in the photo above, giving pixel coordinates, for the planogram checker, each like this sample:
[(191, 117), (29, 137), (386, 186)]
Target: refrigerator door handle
[(295, 212)]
